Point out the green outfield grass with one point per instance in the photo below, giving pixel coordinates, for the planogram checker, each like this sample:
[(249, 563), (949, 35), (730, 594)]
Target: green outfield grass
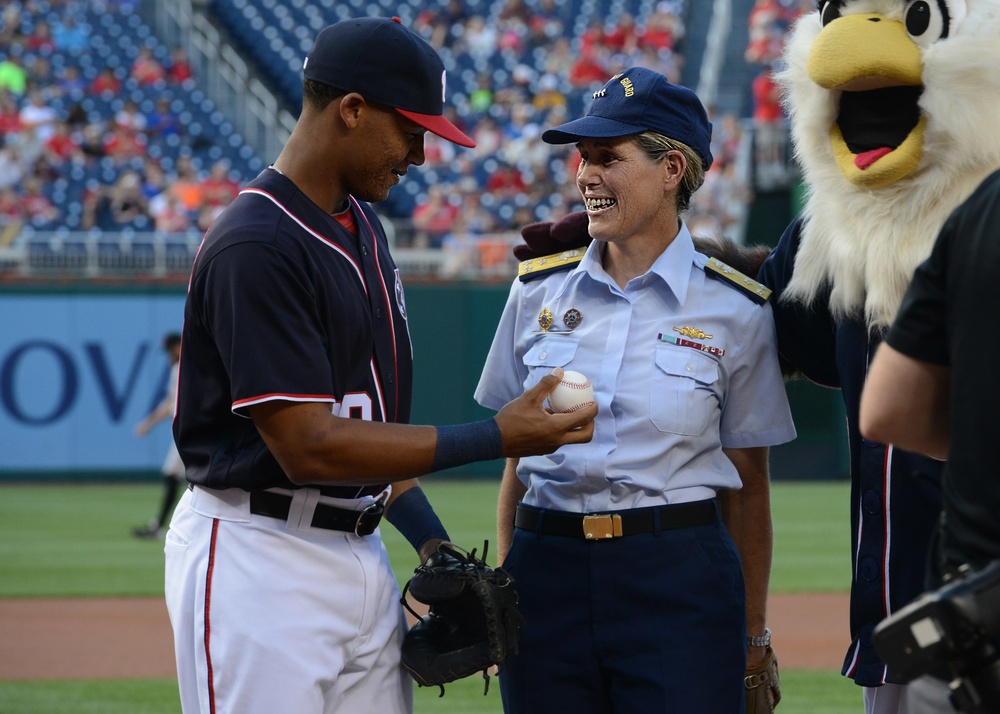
[(73, 540)]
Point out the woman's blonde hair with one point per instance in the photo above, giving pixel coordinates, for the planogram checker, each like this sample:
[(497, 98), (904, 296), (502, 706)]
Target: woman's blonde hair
[(656, 147)]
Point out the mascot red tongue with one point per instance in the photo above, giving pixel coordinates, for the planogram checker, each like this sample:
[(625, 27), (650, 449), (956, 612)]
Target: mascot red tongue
[(895, 116)]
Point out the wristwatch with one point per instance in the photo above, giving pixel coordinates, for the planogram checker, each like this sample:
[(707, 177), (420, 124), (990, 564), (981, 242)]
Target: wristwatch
[(762, 641)]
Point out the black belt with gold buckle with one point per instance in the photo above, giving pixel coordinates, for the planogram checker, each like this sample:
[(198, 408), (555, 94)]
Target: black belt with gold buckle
[(360, 523), (602, 526)]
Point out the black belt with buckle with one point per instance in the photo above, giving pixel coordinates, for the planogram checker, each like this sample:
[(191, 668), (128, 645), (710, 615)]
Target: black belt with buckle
[(360, 523), (601, 526)]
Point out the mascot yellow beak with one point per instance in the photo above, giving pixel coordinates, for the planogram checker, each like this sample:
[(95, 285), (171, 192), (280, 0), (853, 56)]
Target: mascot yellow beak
[(878, 137)]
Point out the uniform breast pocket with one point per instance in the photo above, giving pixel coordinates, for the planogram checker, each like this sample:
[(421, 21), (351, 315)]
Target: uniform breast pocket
[(546, 353), (682, 398)]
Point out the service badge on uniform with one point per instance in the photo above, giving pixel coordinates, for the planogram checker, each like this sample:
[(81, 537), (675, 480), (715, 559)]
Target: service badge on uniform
[(545, 319)]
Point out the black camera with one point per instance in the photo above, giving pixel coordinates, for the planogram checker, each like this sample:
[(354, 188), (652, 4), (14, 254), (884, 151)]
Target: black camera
[(954, 633)]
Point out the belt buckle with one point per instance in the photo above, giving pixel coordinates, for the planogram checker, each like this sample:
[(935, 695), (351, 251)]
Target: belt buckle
[(368, 519), (601, 526)]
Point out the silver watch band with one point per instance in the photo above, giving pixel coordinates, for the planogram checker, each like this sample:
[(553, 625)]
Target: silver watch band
[(761, 641)]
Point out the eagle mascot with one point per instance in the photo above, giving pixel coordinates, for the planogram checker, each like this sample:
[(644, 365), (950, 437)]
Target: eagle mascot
[(894, 107)]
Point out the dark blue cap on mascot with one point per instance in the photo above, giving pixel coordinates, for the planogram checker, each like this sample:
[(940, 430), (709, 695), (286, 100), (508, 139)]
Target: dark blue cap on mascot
[(637, 100), (387, 63)]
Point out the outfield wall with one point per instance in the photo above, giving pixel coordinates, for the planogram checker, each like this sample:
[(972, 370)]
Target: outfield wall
[(81, 365)]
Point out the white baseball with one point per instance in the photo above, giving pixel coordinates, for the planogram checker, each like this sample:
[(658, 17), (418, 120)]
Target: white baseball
[(574, 392)]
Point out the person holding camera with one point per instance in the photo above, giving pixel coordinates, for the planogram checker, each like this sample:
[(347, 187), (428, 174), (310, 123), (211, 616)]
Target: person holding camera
[(933, 387)]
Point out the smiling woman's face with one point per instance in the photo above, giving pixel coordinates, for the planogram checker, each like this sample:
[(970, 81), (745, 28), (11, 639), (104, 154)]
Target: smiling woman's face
[(625, 191)]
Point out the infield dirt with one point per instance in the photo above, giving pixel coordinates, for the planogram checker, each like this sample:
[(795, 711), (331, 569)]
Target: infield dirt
[(124, 638)]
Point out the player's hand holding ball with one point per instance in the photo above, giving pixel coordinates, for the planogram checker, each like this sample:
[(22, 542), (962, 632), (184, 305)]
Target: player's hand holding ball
[(574, 392), (528, 427)]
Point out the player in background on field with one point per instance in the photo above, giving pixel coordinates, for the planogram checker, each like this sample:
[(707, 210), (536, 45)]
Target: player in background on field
[(173, 467), (294, 393)]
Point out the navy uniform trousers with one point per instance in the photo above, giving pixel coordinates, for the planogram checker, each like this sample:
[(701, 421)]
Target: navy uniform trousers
[(646, 623)]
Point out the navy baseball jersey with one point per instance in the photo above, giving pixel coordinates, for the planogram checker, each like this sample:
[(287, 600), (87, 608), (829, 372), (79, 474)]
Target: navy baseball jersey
[(895, 494), (285, 303)]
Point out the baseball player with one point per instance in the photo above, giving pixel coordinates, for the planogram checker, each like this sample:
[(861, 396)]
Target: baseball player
[(631, 584), (295, 384), (173, 467)]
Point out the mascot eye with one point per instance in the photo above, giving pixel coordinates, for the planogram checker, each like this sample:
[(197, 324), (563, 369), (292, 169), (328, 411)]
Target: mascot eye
[(829, 12), (930, 20)]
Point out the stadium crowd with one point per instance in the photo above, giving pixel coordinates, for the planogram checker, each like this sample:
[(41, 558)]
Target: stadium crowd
[(139, 166)]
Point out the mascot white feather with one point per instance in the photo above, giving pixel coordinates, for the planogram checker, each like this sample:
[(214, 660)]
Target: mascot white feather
[(895, 118), (895, 115)]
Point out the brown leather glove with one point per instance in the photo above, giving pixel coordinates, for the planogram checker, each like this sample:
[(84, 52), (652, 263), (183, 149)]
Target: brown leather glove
[(548, 237), (763, 690)]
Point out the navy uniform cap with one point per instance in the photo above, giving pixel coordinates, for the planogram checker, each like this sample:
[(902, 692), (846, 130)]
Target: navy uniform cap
[(637, 100), (387, 63)]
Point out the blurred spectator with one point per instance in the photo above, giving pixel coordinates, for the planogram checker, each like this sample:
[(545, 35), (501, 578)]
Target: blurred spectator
[(40, 73), (62, 147), (11, 167), (123, 145), (548, 94), (163, 120), (10, 24), (488, 137), (559, 58), (106, 83), (129, 117), (38, 118), (154, 180), (146, 69), (622, 37), (481, 98), (432, 218), (588, 70), (766, 32), (69, 36), (116, 206), (769, 130), (180, 69), (480, 38), (40, 39), (92, 142), (170, 216), (186, 186), (460, 249), (10, 118), (726, 137), (13, 76), (663, 30), (10, 205), (218, 188), (505, 181), (38, 208), (70, 82)]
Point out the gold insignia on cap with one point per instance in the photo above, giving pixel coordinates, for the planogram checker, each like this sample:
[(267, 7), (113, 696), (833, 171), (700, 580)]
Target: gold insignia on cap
[(572, 318), (545, 319), (693, 332)]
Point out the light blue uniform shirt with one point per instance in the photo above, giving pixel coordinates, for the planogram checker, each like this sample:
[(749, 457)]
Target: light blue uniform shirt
[(665, 410)]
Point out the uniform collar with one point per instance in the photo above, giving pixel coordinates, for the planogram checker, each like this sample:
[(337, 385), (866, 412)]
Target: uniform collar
[(673, 266)]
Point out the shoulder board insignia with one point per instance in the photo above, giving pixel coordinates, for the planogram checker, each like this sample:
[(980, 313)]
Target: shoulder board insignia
[(537, 267), (748, 286)]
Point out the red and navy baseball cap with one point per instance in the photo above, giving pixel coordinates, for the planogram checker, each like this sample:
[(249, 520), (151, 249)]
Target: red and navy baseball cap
[(386, 63), (637, 100)]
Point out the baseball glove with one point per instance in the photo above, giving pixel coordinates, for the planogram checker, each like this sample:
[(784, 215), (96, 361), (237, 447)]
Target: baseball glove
[(763, 690), (473, 622)]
